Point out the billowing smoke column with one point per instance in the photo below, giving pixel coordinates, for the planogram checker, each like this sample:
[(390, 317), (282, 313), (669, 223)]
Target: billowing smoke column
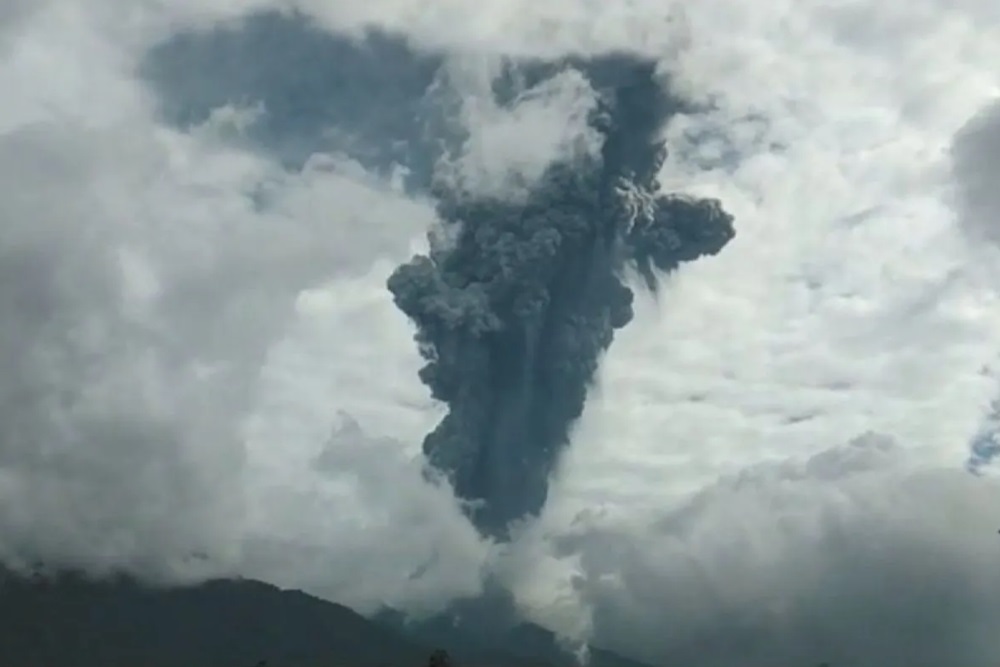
[(514, 312)]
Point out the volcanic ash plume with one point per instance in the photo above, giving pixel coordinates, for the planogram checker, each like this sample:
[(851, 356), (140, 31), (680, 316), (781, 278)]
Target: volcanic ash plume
[(514, 312)]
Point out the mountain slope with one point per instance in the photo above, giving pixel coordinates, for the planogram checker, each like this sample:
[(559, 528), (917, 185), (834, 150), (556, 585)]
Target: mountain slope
[(72, 622)]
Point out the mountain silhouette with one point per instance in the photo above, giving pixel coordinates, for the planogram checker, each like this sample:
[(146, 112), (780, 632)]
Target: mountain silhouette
[(69, 620)]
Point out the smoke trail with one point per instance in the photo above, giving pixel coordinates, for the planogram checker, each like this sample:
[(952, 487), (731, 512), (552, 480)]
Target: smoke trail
[(513, 315)]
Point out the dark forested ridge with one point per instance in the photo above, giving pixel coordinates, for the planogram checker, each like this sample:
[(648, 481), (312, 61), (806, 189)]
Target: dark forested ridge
[(71, 621)]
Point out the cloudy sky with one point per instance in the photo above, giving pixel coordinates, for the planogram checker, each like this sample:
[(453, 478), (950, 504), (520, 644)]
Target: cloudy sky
[(201, 372)]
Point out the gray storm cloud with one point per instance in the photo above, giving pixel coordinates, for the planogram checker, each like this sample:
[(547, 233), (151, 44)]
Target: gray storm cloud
[(975, 158), (976, 174), (139, 300), (854, 556), (96, 471), (516, 307)]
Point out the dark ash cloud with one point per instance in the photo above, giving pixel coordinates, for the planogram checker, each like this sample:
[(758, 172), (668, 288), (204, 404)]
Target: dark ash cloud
[(515, 309)]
